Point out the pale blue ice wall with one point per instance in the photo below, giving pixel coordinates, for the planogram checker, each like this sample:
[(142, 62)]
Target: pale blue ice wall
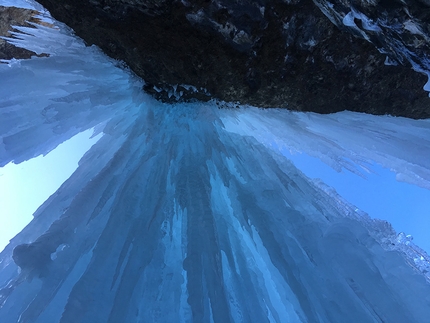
[(187, 213)]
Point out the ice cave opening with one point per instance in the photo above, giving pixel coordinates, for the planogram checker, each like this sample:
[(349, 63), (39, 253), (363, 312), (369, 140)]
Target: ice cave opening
[(189, 212)]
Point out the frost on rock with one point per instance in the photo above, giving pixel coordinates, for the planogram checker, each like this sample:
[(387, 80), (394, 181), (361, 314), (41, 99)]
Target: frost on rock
[(190, 213)]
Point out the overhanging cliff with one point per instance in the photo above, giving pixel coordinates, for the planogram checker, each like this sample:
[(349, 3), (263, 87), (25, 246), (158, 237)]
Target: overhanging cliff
[(310, 56)]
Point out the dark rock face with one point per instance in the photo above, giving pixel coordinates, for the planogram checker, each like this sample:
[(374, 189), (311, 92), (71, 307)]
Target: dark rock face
[(29, 257), (11, 16), (299, 54)]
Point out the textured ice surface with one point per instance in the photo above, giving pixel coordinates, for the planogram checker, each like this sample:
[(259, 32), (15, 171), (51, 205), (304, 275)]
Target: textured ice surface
[(190, 213), (75, 89), (343, 140)]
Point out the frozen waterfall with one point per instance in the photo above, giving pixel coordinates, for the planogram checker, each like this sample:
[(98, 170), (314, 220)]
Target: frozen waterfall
[(190, 213)]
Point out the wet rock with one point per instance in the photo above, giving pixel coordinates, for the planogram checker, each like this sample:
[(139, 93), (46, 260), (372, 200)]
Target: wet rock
[(9, 17)]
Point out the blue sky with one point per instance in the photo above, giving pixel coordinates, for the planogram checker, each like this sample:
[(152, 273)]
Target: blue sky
[(405, 206), (24, 187)]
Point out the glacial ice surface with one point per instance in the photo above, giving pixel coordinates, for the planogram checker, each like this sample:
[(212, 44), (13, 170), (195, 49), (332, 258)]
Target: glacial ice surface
[(190, 213)]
